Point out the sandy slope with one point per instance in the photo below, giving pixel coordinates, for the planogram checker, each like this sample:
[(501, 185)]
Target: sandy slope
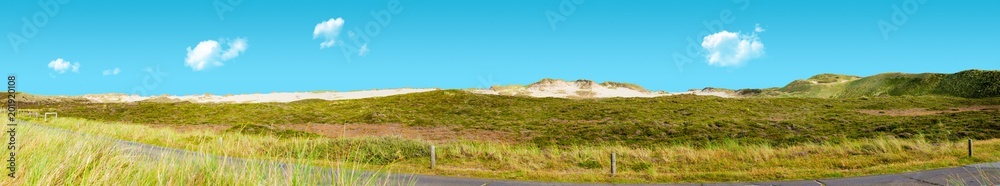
[(583, 89)]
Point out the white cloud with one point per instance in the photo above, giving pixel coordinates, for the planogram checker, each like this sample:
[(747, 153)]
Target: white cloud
[(60, 65), (202, 54), (729, 49), (235, 48), (364, 50), (210, 53), (757, 28), (328, 30), (112, 71)]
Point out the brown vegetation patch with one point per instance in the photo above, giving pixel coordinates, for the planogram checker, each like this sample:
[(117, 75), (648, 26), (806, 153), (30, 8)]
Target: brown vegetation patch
[(777, 117), (925, 111), (435, 134), (191, 128)]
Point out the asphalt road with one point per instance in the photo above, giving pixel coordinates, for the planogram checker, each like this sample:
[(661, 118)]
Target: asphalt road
[(964, 175)]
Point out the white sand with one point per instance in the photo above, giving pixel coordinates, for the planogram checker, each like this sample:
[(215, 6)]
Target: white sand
[(582, 89), (572, 89)]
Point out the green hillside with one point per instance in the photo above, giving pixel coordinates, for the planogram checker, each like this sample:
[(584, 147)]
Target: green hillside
[(821, 108), (634, 121), (968, 84)]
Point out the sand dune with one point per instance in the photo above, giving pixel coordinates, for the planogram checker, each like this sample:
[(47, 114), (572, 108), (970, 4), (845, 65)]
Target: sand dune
[(545, 88), (586, 89)]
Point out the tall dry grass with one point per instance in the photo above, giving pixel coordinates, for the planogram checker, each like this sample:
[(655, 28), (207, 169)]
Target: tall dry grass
[(53, 156), (721, 161)]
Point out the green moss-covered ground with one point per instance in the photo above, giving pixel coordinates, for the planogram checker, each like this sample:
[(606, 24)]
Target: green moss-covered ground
[(630, 121)]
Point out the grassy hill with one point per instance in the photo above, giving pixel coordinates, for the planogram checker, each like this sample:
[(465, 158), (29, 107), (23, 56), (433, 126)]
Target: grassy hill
[(685, 119), (822, 108), (826, 126), (968, 84)]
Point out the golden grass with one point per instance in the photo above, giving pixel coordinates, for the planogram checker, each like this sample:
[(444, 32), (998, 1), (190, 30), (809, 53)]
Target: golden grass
[(49, 156), (718, 162), (724, 163)]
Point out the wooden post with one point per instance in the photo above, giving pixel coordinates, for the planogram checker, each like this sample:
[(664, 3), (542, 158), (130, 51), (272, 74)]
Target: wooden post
[(614, 164), (433, 158), (970, 147)]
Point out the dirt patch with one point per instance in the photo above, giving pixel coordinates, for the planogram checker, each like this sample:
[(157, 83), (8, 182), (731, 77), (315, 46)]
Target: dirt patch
[(925, 111), (777, 117), (435, 134)]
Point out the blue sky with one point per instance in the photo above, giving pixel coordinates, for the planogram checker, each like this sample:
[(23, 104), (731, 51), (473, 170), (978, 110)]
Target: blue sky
[(252, 46)]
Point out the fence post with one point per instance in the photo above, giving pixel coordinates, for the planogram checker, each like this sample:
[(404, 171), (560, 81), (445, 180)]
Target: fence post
[(970, 147), (614, 164), (433, 158)]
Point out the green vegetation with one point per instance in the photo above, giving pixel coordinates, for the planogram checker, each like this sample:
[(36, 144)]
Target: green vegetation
[(611, 84), (969, 84), (826, 126), (721, 161), (511, 90), (161, 99), (833, 78), (683, 119), (266, 130), (713, 89), (50, 157)]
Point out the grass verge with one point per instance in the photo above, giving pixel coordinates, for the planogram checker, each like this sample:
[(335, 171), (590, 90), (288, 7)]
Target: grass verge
[(52, 156), (717, 161)]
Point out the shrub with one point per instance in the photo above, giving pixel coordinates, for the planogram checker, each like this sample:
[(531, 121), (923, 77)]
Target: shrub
[(266, 130)]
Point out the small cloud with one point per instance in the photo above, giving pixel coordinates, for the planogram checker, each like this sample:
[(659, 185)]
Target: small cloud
[(210, 53), (729, 49), (757, 28), (59, 65), (328, 30), (112, 71), (236, 47), (364, 50)]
